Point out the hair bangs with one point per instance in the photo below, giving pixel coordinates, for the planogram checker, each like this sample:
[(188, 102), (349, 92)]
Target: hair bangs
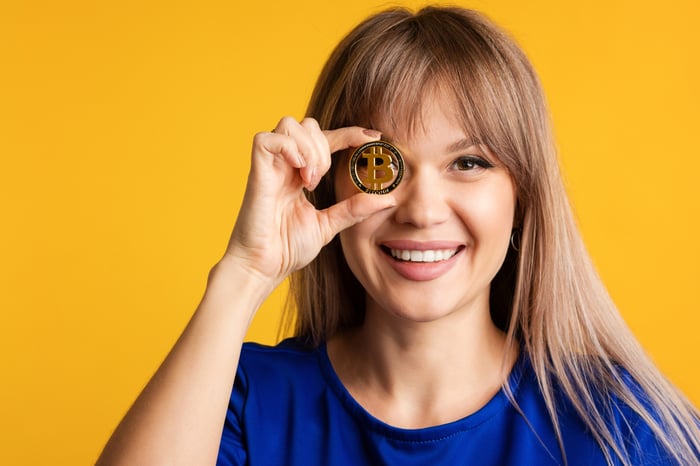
[(388, 77)]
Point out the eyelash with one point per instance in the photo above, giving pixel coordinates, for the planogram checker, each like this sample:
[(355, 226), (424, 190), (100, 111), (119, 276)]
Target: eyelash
[(473, 161)]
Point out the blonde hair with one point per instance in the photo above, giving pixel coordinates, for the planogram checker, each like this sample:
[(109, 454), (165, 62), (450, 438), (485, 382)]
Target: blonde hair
[(547, 295)]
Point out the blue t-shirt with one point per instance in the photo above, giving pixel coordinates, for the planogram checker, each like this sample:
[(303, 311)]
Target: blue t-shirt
[(288, 407)]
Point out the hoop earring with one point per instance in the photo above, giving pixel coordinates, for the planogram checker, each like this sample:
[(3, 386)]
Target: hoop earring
[(515, 239)]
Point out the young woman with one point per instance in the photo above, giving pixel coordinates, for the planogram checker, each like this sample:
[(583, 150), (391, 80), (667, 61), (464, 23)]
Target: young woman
[(456, 320)]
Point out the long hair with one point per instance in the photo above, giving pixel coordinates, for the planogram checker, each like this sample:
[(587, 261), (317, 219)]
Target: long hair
[(547, 296)]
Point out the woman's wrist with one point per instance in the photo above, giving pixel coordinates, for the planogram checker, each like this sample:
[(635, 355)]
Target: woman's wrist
[(232, 282)]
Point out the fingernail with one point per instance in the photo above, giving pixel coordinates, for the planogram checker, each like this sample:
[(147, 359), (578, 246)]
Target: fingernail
[(373, 133)]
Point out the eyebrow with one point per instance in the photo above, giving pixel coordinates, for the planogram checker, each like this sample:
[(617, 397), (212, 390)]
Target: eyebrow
[(462, 144)]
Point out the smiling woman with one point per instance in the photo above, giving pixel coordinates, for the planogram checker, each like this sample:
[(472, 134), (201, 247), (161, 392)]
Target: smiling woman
[(420, 316), (452, 198)]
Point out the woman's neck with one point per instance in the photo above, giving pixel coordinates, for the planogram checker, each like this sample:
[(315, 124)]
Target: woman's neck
[(420, 374)]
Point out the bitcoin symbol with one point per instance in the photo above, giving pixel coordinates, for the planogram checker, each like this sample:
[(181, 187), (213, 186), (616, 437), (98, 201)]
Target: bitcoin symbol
[(377, 174), (375, 165)]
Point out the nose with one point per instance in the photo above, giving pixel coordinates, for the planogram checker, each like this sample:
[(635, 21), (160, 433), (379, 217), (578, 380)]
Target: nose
[(421, 200)]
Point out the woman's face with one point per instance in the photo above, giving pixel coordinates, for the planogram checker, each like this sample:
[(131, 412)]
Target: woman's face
[(437, 251)]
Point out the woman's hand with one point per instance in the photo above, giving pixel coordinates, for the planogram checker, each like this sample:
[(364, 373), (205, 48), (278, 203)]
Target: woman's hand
[(177, 418), (278, 230)]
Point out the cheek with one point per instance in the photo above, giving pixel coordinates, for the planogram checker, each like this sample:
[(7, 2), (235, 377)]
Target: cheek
[(490, 211), (357, 240), (360, 248)]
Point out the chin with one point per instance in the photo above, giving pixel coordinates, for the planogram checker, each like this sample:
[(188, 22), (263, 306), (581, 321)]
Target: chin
[(418, 307)]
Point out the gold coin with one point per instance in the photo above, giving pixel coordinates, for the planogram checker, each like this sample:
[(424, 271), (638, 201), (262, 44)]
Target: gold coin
[(376, 167)]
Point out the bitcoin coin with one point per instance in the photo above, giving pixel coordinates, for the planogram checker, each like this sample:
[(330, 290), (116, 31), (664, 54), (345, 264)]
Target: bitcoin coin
[(376, 167)]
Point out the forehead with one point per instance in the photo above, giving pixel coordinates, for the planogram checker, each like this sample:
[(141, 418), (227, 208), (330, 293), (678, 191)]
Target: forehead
[(404, 119)]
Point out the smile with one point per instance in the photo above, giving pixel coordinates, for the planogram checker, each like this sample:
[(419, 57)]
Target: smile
[(430, 255)]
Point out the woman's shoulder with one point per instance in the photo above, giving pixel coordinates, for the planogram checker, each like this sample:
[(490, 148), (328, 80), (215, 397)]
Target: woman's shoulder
[(289, 348), (627, 410), (288, 360), (634, 413)]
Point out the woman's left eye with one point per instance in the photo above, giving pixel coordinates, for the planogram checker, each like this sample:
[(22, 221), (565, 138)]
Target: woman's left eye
[(470, 162)]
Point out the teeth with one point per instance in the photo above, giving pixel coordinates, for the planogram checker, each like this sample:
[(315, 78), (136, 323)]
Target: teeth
[(423, 256)]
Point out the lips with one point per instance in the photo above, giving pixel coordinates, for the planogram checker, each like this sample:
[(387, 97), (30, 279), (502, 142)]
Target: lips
[(421, 261)]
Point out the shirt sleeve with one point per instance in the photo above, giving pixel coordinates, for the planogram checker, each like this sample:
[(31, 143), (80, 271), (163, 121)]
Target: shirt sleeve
[(232, 449)]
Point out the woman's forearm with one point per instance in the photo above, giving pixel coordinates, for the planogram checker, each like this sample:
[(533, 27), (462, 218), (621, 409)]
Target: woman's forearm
[(178, 418)]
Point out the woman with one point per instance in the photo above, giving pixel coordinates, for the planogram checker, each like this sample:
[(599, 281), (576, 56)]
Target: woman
[(456, 320)]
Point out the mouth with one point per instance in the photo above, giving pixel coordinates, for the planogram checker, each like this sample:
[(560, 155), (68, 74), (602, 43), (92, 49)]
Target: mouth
[(424, 256), (422, 261)]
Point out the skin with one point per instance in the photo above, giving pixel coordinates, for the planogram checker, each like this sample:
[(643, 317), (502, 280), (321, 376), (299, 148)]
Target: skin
[(179, 416), (428, 352), (429, 362)]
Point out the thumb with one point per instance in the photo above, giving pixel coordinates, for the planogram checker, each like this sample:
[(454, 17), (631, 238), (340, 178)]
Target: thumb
[(353, 210)]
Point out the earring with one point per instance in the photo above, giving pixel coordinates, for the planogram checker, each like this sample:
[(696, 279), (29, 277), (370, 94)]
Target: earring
[(515, 239)]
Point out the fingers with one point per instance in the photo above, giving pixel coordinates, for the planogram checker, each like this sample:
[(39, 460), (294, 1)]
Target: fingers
[(305, 146), (353, 210), (352, 136), (319, 160), (322, 144), (302, 145), (273, 144)]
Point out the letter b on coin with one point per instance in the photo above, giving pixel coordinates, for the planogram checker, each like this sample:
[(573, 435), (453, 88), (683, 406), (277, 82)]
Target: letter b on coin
[(376, 167)]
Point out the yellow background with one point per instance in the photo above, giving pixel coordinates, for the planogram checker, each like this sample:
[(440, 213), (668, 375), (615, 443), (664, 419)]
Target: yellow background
[(125, 130)]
